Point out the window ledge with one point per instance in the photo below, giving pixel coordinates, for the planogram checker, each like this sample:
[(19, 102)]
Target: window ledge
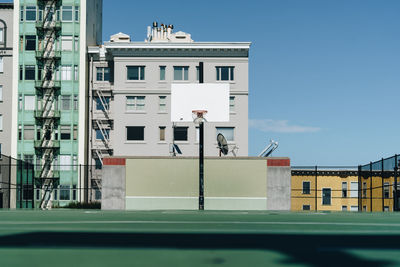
[(181, 81), (135, 81), (162, 143), (182, 142), (135, 112), (135, 142), (162, 112)]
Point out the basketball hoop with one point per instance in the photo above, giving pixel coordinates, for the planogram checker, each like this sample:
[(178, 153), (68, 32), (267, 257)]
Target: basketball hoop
[(198, 116)]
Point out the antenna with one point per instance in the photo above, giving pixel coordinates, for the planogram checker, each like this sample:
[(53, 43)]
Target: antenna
[(222, 144), (269, 149)]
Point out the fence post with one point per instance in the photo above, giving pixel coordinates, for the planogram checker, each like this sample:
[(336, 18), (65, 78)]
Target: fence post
[(316, 188), (383, 189), (370, 183), (395, 184), (359, 189)]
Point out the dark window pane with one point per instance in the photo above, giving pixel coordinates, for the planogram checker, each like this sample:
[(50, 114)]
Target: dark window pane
[(306, 187), (135, 133), (106, 74), (224, 74), (133, 73), (180, 133), (30, 43), (141, 73), (65, 136), (98, 165), (29, 72), (326, 196)]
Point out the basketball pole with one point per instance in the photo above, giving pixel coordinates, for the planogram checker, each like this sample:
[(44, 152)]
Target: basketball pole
[(201, 148)]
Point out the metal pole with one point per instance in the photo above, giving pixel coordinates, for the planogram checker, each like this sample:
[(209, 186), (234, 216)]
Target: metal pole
[(201, 148), (370, 183), (383, 189), (359, 189), (201, 167), (20, 184), (316, 189), (9, 182), (395, 184)]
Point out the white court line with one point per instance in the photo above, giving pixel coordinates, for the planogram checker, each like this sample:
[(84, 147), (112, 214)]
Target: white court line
[(199, 222)]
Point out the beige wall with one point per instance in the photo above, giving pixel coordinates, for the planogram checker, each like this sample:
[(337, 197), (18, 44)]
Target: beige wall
[(162, 183)]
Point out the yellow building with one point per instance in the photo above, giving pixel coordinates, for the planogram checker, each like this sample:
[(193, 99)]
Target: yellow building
[(342, 190), (324, 190)]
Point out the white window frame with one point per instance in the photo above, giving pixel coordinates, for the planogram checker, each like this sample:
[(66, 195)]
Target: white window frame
[(232, 104), (1, 35), (230, 140), (231, 73), (185, 73), (67, 10), (1, 65), (137, 104), (66, 72), (162, 104), (1, 93), (65, 162), (66, 43), (1, 122), (29, 102)]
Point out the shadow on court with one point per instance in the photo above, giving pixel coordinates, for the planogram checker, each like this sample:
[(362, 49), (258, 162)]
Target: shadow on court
[(312, 250)]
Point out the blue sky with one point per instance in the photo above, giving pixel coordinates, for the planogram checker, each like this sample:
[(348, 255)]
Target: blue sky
[(323, 74)]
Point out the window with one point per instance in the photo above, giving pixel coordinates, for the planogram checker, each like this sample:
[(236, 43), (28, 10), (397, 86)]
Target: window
[(28, 159), (181, 73), (228, 132), (64, 192), (65, 162), (21, 17), (98, 165), (37, 194), (67, 13), (386, 190), (180, 133), (162, 133), (162, 103), (306, 207), (197, 73), (1, 92), (76, 73), (364, 208), (1, 64), (326, 196), (27, 193), (76, 17), (231, 104), (102, 135), (364, 189), (75, 132), (76, 43), (135, 73), (353, 208), (65, 102), (30, 72), (30, 43), (344, 208), (19, 132), (162, 73), (30, 13), (386, 208), (97, 195), (74, 192), (103, 74), (65, 132), (55, 193), (66, 43), (306, 188), (76, 102), (1, 122), (29, 102), (135, 103), (354, 189), (29, 132), (344, 189), (1, 35), (102, 103), (135, 133), (225, 73), (66, 73)]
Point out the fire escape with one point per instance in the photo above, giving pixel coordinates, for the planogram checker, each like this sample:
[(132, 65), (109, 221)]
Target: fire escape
[(47, 115), (102, 123)]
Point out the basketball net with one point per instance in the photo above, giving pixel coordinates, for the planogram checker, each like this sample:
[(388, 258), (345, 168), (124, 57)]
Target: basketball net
[(198, 116)]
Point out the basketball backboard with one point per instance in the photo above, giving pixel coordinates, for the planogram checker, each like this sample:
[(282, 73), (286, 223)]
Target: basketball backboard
[(212, 97)]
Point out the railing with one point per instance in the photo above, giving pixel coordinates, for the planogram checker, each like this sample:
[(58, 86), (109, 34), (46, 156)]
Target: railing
[(51, 54), (42, 114), (47, 144), (47, 84)]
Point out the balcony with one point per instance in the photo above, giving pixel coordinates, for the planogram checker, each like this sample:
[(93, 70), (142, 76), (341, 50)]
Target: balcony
[(47, 144), (45, 84), (52, 175), (41, 55), (48, 25), (53, 114)]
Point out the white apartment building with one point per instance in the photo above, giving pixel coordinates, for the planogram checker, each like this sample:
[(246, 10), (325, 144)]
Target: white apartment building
[(130, 88)]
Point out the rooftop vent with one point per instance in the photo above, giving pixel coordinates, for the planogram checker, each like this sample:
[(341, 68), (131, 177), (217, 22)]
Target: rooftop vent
[(120, 38), (164, 34)]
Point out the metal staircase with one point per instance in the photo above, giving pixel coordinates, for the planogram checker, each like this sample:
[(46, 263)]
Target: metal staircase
[(47, 114)]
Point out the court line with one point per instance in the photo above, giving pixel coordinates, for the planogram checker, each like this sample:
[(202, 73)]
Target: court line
[(199, 222)]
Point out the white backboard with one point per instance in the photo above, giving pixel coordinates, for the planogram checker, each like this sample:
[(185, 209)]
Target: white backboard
[(213, 97)]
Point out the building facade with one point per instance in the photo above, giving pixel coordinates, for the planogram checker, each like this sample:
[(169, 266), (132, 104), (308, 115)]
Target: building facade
[(50, 91), (130, 89), (6, 53)]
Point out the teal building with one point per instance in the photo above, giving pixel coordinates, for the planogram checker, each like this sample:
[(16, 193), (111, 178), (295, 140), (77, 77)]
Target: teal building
[(50, 116)]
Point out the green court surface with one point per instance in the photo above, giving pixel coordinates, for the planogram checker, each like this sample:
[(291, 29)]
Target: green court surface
[(194, 238)]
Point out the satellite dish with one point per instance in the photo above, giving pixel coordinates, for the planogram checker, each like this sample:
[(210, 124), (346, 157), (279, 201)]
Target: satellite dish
[(222, 144)]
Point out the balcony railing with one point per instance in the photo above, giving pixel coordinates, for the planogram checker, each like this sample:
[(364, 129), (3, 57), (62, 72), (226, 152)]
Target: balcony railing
[(48, 25), (45, 84), (52, 174), (48, 54), (47, 144), (41, 114)]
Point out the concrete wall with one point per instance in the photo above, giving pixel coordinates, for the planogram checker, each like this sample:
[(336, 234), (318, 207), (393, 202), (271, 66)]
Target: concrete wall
[(240, 183)]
